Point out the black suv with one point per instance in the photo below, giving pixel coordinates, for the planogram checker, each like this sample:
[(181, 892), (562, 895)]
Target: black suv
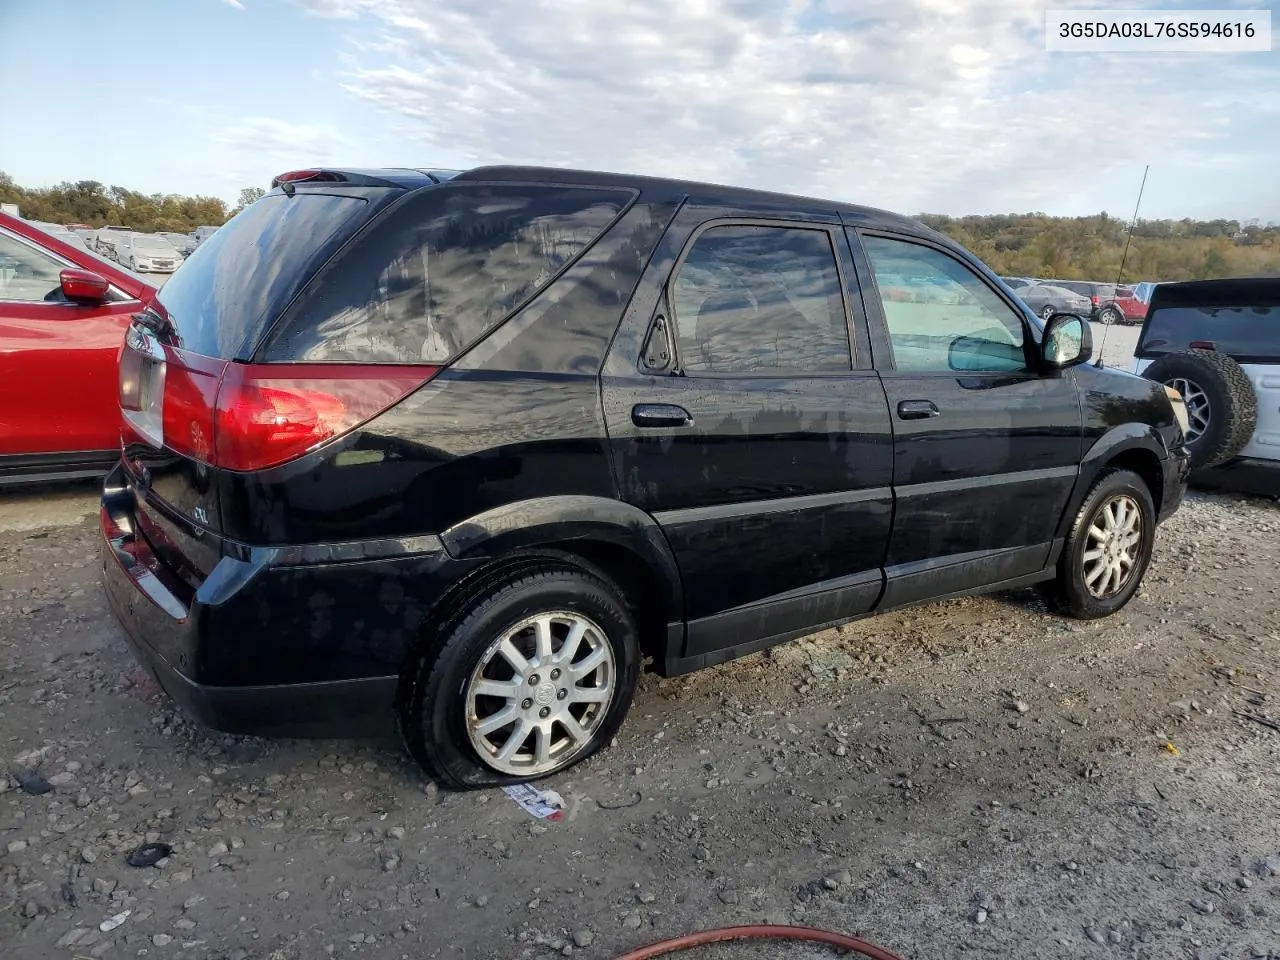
[(462, 449)]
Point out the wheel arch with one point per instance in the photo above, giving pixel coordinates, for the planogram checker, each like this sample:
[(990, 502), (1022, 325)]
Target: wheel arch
[(1132, 446), (611, 539)]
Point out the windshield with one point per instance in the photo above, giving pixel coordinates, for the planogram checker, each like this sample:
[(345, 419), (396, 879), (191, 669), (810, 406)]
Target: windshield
[(239, 279)]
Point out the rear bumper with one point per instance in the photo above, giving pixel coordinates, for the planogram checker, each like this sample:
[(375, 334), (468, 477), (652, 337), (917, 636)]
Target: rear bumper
[(283, 641), (328, 708)]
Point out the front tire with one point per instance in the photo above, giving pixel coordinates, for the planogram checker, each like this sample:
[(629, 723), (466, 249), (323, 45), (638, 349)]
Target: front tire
[(534, 676), (1047, 311), (1108, 549)]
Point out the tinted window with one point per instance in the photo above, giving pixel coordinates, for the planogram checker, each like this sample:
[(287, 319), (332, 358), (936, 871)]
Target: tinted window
[(1246, 333), (940, 315), (239, 279), (760, 299), (441, 271), (27, 273)]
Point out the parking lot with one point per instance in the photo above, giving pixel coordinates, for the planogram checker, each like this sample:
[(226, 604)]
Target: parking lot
[(969, 778)]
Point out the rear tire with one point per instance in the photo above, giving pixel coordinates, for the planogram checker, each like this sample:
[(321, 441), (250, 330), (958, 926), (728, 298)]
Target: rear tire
[(1107, 550), (461, 692), (1220, 402), (1047, 311), (1110, 315)]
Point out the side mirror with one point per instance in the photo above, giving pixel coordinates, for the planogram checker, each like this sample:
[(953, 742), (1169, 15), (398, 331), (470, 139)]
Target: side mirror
[(1068, 340), (83, 286)]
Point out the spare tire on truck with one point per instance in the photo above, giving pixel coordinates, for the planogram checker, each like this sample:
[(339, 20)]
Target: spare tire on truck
[(1221, 405)]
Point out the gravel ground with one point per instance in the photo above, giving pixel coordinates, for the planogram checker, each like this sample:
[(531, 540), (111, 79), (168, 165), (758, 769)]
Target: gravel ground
[(974, 778)]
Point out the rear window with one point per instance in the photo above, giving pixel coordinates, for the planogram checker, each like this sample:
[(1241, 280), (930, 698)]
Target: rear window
[(239, 279), (1249, 334), (440, 271)]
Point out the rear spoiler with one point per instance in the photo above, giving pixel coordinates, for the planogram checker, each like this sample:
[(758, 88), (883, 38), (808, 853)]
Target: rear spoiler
[(406, 177), (1236, 292)]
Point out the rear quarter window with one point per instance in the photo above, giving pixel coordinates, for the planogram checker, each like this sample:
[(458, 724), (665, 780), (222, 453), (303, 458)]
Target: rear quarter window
[(440, 271), (1248, 334)]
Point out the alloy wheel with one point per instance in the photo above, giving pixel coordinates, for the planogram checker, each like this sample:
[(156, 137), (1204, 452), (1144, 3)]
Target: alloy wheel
[(1113, 547), (1197, 401), (539, 693)]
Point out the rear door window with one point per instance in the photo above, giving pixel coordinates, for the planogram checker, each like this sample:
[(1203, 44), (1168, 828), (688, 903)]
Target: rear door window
[(1249, 334), (758, 300), (442, 270)]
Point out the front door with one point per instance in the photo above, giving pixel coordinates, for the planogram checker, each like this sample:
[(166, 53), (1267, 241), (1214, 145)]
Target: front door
[(58, 392), (986, 447), (753, 430)]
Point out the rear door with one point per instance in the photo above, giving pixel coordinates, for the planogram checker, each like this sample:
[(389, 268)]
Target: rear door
[(751, 426), (57, 360), (986, 449)]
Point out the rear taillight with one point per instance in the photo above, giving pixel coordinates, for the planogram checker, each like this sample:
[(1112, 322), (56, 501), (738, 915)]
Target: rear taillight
[(240, 416), (1094, 299), (190, 396), (141, 385), (268, 414)]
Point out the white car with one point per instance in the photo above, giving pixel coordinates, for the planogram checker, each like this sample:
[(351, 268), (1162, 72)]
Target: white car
[(147, 253), (1217, 342)]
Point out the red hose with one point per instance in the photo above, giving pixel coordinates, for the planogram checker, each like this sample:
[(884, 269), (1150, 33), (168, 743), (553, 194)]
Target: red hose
[(760, 931)]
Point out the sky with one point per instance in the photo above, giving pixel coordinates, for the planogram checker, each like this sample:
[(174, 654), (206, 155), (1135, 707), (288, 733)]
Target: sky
[(938, 106)]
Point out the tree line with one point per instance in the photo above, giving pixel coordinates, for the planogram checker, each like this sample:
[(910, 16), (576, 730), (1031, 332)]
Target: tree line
[(95, 203), (1028, 244), (1091, 248)]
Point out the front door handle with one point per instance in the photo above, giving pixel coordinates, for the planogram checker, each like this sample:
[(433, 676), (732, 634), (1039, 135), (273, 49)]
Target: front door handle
[(660, 415), (917, 409)]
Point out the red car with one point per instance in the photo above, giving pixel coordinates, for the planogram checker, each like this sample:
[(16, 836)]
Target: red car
[(1124, 307), (63, 315)]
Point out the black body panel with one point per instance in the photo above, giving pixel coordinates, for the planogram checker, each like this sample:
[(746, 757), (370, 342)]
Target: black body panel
[(732, 511)]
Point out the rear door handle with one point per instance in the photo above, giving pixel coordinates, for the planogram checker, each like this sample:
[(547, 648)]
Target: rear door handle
[(917, 409), (660, 415)]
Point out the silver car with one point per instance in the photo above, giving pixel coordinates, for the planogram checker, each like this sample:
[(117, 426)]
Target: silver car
[(62, 233), (1047, 299), (147, 253)]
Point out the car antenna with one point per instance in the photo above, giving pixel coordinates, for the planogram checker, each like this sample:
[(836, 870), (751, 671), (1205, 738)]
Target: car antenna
[(1124, 256)]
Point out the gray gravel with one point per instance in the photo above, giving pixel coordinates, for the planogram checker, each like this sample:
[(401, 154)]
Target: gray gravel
[(1132, 810)]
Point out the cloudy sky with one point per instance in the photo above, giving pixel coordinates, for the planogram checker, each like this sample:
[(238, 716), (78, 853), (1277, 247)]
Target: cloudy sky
[(948, 106)]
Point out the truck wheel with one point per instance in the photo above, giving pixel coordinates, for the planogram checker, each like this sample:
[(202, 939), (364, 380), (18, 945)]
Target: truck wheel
[(1107, 550), (1221, 404), (534, 676), (1111, 315)]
